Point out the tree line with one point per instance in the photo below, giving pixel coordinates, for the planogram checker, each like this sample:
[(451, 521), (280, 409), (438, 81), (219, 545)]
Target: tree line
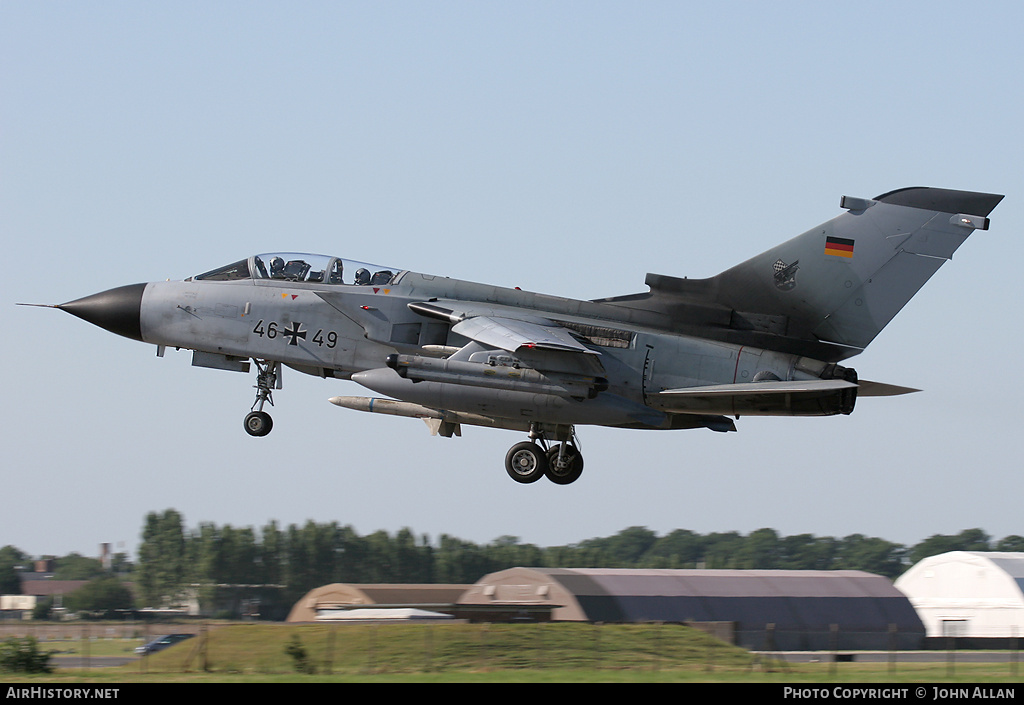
[(229, 569)]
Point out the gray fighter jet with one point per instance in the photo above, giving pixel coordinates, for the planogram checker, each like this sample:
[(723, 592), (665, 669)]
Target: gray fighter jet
[(763, 338)]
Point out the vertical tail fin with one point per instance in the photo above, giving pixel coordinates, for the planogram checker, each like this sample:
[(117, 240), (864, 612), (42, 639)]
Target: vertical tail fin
[(828, 292), (843, 281)]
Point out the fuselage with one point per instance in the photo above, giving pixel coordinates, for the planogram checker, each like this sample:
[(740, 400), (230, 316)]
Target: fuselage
[(348, 330)]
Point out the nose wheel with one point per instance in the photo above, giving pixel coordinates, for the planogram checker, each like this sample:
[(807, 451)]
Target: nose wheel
[(268, 377), (258, 423)]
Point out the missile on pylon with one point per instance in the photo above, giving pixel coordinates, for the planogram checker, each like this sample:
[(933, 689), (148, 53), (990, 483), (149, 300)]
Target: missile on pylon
[(513, 378), (440, 422), (391, 407)]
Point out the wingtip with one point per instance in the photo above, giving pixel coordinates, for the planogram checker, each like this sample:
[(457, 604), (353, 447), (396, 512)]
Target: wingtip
[(944, 200)]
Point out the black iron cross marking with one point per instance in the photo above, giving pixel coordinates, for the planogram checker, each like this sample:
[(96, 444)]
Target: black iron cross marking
[(294, 333)]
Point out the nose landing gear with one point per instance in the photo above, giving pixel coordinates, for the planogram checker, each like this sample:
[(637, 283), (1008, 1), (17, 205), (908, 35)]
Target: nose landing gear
[(268, 377), (562, 463)]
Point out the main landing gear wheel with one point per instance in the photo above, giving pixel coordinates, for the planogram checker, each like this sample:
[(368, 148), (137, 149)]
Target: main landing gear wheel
[(569, 469), (258, 423), (526, 462)]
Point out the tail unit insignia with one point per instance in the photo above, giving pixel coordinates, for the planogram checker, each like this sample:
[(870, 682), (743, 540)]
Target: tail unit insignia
[(839, 247)]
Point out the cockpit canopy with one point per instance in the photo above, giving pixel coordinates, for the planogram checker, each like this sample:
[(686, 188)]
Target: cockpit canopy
[(301, 267)]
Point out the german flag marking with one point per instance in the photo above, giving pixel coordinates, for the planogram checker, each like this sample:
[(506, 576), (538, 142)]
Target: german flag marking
[(839, 247)]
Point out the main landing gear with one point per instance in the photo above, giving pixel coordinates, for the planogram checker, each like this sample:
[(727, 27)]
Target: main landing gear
[(268, 378), (528, 461)]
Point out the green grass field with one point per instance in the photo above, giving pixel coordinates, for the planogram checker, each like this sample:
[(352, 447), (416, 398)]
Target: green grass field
[(565, 652)]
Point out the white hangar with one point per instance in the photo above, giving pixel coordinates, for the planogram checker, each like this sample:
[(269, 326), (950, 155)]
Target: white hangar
[(968, 594)]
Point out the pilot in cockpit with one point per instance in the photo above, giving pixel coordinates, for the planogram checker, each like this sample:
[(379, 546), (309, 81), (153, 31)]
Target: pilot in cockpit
[(382, 277), (362, 276), (276, 268)]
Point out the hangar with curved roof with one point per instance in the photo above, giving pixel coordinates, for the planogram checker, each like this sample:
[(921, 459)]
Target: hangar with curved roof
[(975, 594), (328, 600), (780, 609)]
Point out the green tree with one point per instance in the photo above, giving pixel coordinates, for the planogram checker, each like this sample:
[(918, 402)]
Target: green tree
[(162, 567), (299, 655), (43, 609), (23, 656), (231, 555), (10, 583), (351, 556), (201, 549), (623, 550), (312, 557), (460, 562), (102, 596), (75, 566), (507, 552), (1011, 543), (627, 548), (272, 554), (681, 548), (10, 560), (306, 557), (224, 559), (120, 564), (760, 550), (412, 560), (966, 540), (807, 552), (874, 555), (722, 549)]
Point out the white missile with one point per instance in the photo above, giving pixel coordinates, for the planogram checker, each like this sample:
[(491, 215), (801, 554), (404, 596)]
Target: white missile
[(443, 422), (391, 407)]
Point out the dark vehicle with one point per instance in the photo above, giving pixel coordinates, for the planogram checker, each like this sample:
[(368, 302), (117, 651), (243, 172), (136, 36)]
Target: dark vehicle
[(161, 643)]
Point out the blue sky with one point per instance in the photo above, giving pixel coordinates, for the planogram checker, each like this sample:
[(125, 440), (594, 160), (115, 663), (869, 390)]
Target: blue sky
[(563, 147)]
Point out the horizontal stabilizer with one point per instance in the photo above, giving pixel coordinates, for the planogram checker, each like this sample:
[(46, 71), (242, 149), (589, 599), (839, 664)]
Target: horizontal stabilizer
[(798, 397), (878, 389), (748, 388)]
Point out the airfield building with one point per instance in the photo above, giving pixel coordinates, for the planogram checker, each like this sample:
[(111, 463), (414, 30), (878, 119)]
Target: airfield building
[(347, 601), (755, 609), (764, 609), (968, 594)]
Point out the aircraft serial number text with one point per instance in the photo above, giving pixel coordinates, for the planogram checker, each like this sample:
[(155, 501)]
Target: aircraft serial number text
[(294, 332)]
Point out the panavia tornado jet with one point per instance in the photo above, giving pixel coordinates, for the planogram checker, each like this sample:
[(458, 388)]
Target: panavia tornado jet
[(765, 338)]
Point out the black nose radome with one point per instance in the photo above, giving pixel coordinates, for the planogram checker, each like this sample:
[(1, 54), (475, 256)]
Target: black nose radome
[(117, 310)]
